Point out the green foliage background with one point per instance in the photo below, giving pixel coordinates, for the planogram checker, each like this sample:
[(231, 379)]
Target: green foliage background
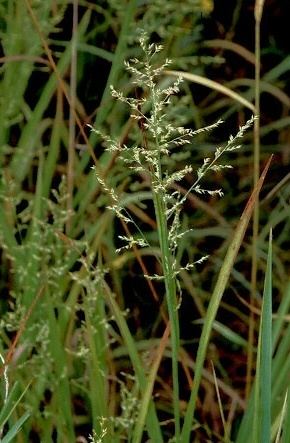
[(79, 323)]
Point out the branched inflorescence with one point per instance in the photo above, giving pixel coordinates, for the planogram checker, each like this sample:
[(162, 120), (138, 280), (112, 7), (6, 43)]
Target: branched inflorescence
[(160, 141)]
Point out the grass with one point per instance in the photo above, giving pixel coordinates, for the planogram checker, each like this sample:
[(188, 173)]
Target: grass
[(149, 342)]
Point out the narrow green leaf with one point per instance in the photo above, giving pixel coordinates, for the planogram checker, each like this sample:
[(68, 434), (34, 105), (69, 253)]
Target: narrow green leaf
[(280, 377), (286, 427), (11, 403), (281, 313), (15, 429), (227, 333), (139, 427), (215, 86), (281, 419), (264, 381), (215, 301)]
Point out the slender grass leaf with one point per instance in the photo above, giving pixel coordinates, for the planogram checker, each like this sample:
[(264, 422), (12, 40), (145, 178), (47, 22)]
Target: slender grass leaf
[(11, 403), (215, 301), (227, 333), (281, 419), (264, 376), (286, 427), (213, 85), (138, 431), (226, 437), (15, 429), (279, 70)]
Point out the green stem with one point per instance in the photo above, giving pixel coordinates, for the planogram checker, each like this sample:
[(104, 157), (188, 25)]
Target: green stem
[(256, 172), (170, 287), (167, 265)]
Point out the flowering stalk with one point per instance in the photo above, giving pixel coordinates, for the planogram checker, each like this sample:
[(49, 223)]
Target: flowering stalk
[(159, 199), (159, 138)]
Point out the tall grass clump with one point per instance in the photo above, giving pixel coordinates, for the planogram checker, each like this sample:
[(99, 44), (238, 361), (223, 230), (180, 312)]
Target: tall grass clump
[(87, 355), (152, 154)]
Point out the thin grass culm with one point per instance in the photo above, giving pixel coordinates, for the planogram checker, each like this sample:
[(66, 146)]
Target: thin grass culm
[(153, 149)]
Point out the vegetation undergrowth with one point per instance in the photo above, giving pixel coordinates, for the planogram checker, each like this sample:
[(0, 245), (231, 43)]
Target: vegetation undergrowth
[(128, 309)]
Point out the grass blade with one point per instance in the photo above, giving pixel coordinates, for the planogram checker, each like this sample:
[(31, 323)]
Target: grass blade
[(11, 403), (15, 429), (280, 421), (280, 379), (214, 86), (286, 427), (215, 301), (263, 381), (226, 437), (149, 388)]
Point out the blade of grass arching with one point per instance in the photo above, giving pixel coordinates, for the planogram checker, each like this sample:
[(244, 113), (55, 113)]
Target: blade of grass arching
[(274, 219), (153, 426), (232, 46), (139, 426), (262, 414), (279, 70), (213, 85), (226, 332), (213, 306), (98, 52), (277, 188), (274, 90), (277, 125)]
